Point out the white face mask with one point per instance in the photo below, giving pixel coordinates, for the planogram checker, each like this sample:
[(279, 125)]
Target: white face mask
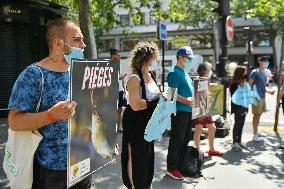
[(210, 74), (151, 62)]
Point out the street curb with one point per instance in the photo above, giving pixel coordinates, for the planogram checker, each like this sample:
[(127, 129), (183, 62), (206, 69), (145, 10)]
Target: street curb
[(266, 122)]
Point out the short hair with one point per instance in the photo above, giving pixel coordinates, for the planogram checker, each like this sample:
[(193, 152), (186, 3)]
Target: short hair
[(57, 29), (113, 52), (203, 67), (263, 58), (142, 52)]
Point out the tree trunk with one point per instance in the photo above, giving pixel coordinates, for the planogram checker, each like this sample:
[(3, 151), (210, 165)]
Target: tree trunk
[(279, 85), (86, 24)]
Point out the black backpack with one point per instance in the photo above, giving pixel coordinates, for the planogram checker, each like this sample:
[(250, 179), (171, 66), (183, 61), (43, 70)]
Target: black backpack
[(222, 127), (191, 161)]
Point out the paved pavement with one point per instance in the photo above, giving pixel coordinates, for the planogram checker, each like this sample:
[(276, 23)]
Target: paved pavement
[(258, 166)]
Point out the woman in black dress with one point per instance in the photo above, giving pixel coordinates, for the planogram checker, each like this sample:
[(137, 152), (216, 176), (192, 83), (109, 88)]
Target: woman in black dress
[(137, 157)]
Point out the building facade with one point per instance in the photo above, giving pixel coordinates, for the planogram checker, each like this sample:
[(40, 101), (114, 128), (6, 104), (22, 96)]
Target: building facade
[(202, 39)]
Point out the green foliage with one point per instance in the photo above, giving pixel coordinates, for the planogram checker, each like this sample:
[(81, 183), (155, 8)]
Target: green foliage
[(191, 13), (242, 8), (271, 13), (103, 15)]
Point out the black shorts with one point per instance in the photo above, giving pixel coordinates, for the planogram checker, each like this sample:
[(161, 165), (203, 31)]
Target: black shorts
[(122, 102), (55, 179)]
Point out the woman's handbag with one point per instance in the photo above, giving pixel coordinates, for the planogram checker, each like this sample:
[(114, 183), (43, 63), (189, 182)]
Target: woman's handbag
[(19, 153)]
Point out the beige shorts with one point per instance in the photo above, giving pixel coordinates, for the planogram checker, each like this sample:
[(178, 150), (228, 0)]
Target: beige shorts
[(260, 107)]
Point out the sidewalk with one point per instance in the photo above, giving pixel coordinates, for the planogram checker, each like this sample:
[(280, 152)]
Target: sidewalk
[(258, 166)]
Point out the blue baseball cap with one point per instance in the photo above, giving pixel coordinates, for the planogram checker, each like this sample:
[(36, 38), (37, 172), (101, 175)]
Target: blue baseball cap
[(186, 51)]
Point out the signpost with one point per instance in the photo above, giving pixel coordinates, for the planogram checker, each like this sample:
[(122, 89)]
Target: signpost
[(163, 36), (229, 28)]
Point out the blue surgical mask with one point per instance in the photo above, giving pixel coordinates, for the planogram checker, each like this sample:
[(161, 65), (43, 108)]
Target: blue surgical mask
[(76, 53), (266, 64), (187, 65)]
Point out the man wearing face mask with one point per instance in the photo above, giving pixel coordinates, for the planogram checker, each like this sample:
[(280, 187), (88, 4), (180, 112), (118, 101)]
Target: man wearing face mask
[(178, 79), (258, 77), (65, 41)]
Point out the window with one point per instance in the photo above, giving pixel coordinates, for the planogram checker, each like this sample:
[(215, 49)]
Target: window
[(124, 20), (104, 45), (198, 41), (262, 39), (142, 20), (128, 44), (239, 40), (201, 41)]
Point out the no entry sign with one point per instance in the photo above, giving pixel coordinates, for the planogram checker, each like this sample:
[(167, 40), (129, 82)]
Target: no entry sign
[(229, 28)]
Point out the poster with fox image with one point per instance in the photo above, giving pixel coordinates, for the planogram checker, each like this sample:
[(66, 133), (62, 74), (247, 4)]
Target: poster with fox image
[(91, 145), (200, 97)]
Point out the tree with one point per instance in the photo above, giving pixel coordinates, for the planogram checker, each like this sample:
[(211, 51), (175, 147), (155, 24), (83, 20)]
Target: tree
[(192, 13), (97, 16)]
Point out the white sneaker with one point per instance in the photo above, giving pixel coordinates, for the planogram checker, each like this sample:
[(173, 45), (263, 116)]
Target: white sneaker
[(255, 138), (236, 146), (261, 134)]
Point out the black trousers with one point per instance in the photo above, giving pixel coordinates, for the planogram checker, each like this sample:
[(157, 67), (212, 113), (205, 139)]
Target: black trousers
[(240, 117), (180, 137), (55, 179)]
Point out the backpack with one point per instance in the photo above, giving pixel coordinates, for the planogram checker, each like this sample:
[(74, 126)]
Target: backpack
[(191, 161), (222, 127)]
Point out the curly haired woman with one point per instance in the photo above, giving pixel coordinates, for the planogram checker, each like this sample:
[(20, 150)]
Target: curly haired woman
[(137, 157)]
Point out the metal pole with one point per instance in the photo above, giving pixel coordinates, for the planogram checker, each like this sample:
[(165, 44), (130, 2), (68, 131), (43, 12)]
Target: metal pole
[(223, 63), (163, 64)]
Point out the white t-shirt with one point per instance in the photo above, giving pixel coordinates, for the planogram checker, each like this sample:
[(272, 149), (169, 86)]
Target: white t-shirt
[(152, 90)]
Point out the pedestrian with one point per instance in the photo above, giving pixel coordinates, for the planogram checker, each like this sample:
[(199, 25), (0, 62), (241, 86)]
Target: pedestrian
[(137, 157), (115, 56), (180, 81), (258, 78), (65, 41), (204, 70), (239, 79)]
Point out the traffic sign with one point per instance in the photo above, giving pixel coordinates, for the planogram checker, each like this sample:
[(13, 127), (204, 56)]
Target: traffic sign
[(163, 31), (229, 28)]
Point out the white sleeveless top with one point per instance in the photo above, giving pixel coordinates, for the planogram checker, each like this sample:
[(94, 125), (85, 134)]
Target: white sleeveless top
[(152, 90)]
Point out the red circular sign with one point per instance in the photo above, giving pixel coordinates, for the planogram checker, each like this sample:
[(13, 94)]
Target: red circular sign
[(229, 28)]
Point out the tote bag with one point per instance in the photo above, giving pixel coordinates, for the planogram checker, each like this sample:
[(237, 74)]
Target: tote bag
[(19, 153)]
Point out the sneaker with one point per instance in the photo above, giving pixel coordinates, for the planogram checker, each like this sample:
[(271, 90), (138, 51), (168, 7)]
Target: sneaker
[(261, 134), (119, 131), (236, 146), (215, 153), (176, 174), (255, 138)]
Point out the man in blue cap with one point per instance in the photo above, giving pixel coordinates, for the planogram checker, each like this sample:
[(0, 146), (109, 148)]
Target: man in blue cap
[(178, 79)]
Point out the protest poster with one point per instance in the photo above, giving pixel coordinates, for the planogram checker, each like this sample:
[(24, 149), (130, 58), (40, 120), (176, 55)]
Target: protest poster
[(216, 100), (200, 97), (161, 117), (91, 132)]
